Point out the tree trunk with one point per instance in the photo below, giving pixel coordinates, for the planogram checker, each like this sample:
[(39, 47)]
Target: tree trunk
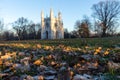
[(104, 33)]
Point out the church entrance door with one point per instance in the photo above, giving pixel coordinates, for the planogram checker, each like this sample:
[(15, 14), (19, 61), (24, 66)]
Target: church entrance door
[(57, 34), (46, 34)]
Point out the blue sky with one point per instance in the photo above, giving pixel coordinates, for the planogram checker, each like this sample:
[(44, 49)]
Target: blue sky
[(72, 10)]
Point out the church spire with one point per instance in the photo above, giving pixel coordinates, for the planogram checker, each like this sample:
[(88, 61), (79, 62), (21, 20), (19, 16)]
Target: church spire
[(51, 13), (59, 16), (42, 15), (42, 19)]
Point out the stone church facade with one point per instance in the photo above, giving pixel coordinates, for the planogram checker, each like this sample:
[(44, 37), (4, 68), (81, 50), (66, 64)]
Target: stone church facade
[(52, 27)]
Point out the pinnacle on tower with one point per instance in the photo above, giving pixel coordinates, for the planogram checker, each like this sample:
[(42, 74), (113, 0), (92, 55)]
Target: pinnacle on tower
[(42, 15), (59, 16), (51, 13), (42, 19)]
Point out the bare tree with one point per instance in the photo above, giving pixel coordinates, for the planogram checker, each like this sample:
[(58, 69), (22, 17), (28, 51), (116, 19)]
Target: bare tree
[(27, 29), (83, 27), (74, 34), (1, 25), (1, 28), (32, 31), (78, 28), (107, 14), (38, 31), (8, 35), (66, 33), (21, 27)]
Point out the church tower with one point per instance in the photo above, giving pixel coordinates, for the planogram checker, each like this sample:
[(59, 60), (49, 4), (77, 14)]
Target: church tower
[(60, 23), (42, 24), (52, 24)]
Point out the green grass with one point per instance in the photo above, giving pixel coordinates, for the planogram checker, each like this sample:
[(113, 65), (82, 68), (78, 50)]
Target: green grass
[(96, 42)]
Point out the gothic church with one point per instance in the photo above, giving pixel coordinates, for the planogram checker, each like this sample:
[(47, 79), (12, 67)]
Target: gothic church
[(52, 27)]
